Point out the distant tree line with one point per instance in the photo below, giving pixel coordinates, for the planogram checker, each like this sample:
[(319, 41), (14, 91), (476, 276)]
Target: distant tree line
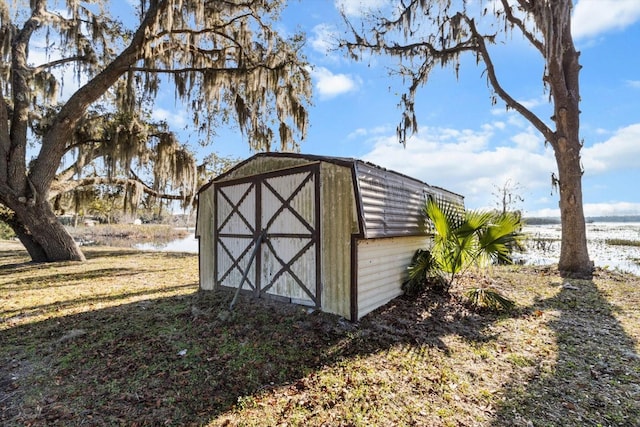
[(608, 218)]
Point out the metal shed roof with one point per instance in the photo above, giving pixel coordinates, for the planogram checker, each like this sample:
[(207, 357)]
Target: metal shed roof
[(389, 203)]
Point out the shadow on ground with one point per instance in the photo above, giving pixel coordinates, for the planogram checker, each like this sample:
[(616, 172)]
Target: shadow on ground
[(595, 379), (185, 360)]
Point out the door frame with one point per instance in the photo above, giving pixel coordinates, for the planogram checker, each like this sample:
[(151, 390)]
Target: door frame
[(256, 186)]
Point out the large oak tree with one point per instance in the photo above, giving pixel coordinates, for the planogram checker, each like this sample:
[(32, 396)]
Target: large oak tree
[(425, 34), (223, 58)]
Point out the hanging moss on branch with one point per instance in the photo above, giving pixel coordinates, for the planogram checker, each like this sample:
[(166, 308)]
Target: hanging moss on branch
[(225, 60)]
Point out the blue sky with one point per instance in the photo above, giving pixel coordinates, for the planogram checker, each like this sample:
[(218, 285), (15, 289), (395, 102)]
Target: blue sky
[(465, 144)]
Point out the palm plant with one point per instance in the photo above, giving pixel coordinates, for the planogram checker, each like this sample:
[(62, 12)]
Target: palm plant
[(490, 298), (466, 238), (422, 273)]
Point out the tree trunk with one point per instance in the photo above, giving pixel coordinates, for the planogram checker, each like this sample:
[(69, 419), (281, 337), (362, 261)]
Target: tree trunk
[(33, 248), (563, 68), (574, 256), (44, 237)]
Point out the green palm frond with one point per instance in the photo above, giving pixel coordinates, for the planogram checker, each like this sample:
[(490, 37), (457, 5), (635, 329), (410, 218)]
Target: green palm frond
[(464, 238), (474, 221), (421, 265), (501, 236), (441, 222), (489, 298)]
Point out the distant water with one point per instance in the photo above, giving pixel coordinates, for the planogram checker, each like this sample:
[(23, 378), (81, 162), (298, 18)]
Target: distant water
[(542, 248), (185, 244), (546, 249)]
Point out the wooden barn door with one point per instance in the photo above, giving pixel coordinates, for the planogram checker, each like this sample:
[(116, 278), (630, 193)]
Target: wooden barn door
[(236, 233), (283, 207)]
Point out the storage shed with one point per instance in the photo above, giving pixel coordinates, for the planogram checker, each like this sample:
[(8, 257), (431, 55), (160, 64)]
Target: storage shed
[(333, 233)]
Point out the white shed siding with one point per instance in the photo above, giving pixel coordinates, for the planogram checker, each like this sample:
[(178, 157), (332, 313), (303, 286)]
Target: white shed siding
[(235, 212), (238, 197), (339, 218), (382, 267)]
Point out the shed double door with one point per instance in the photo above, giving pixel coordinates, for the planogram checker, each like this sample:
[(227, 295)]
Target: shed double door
[(267, 230)]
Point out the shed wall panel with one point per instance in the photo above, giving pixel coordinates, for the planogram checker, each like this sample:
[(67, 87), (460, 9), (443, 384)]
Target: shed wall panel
[(296, 220), (235, 230), (278, 210), (382, 267), (205, 235), (238, 205), (288, 257), (339, 219)]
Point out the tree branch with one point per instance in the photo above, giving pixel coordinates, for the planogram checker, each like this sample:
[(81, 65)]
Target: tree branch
[(97, 180), (5, 139), (57, 62), (228, 70), (53, 143), (82, 143), (503, 94), (20, 85), (520, 24)]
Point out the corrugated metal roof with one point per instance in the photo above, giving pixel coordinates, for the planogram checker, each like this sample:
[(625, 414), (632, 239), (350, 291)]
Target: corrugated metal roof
[(393, 203), (390, 203)]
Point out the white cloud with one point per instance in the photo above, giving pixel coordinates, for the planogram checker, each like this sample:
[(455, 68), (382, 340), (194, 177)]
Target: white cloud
[(535, 102), (358, 133), (175, 119), (362, 132), (593, 17), (499, 125), (464, 162), (329, 85), (611, 209), (620, 151), (472, 163), (528, 141), (324, 38), (634, 84), (543, 213), (359, 7), (512, 118)]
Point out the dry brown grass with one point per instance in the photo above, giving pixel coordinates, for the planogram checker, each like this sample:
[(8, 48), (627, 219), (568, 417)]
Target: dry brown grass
[(126, 339)]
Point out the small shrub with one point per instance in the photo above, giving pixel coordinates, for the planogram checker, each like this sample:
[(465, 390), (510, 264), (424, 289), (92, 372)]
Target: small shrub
[(489, 298), (471, 238), (423, 275)]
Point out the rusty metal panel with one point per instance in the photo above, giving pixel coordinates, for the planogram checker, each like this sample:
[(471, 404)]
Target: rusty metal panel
[(382, 267), (339, 215), (392, 203)]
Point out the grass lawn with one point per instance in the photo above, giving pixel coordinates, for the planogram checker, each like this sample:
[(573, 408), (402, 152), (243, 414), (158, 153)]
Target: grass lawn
[(127, 339)]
